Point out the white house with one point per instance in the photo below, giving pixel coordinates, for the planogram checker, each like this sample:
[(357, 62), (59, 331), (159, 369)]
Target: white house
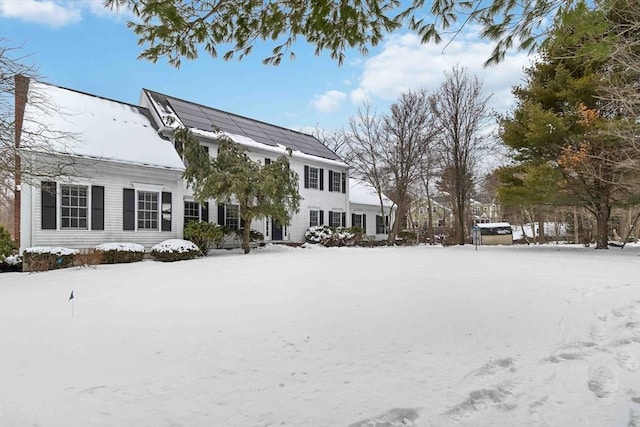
[(124, 182), (127, 183), (323, 175), (367, 211)]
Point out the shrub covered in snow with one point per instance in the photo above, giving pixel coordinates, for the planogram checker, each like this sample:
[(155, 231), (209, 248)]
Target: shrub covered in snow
[(115, 253), (174, 250), (43, 258), (329, 236), (205, 235)]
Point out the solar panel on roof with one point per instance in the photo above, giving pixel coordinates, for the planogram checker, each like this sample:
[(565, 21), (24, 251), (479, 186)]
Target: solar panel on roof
[(202, 117)]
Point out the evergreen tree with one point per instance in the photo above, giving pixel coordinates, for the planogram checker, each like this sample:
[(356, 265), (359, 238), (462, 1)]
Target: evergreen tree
[(261, 191), (560, 122), (178, 29)]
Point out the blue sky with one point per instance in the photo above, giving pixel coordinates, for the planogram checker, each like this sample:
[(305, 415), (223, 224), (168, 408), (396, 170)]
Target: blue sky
[(81, 45)]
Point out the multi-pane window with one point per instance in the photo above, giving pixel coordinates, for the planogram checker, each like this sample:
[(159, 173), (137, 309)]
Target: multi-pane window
[(232, 217), (357, 221), (314, 178), (336, 181), (335, 219), (314, 218), (381, 224), (73, 206), (147, 210), (191, 212)]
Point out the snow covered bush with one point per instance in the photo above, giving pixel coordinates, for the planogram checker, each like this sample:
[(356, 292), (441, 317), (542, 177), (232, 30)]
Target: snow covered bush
[(329, 236), (9, 261), (318, 233), (205, 235), (43, 258), (174, 250), (116, 253)]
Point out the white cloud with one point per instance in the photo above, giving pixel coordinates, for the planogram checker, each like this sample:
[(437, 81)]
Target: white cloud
[(329, 101), (404, 63), (58, 13), (50, 13)]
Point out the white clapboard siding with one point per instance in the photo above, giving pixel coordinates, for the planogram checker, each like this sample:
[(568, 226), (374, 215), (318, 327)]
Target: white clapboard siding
[(114, 178)]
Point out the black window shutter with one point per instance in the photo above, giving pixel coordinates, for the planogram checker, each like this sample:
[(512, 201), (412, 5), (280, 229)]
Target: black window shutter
[(306, 177), (364, 222), (221, 214), (204, 212), (267, 161), (353, 220), (331, 224), (331, 178), (344, 219), (344, 182), (166, 213), (321, 173), (97, 207), (321, 222), (129, 209), (48, 199)]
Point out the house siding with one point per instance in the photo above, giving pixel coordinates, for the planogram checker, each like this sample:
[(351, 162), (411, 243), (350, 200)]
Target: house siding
[(371, 212), (114, 178), (324, 199)]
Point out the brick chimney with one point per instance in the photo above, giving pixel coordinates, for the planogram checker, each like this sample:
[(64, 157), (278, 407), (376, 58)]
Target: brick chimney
[(21, 90)]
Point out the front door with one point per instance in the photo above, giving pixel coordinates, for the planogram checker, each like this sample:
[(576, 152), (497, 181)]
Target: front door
[(276, 230)]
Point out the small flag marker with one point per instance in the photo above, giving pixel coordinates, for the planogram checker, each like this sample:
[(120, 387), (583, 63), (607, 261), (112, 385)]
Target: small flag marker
[(71, 299)]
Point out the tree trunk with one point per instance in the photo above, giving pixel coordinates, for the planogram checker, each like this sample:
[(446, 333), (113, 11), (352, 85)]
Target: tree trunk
[(246, 236), (576, 226), (541, 233), (602, 225)]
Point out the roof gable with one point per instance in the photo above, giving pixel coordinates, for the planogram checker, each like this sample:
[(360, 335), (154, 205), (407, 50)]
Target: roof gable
[(363, 193), (97, 127), (209, 119)]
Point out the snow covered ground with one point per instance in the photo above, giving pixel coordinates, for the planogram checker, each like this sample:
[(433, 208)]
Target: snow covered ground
[(417, 336)]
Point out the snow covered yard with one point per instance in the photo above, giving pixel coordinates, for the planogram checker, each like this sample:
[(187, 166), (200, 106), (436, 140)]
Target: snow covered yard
[(416, 336)]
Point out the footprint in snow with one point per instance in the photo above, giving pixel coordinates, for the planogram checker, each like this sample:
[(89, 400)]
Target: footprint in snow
[(602, 381), (398, 417), (499, 397), (493, 367)]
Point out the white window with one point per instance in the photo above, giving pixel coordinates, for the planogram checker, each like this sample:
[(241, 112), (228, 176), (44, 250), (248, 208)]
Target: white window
[(357, 221), (74, 207), (314, 217), (335, 219), (191, 212), (147, 210), (314, 178), (232, 217), (336, 182)]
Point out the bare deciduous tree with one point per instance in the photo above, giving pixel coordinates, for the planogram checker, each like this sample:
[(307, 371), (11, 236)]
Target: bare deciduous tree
[(409, 130), (27, 153), (365, 141), (460, 109)]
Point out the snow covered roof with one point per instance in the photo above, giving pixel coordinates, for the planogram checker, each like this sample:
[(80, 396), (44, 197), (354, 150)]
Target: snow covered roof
[(364, 194), (175, 112), (493, 224), (96, 127)]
